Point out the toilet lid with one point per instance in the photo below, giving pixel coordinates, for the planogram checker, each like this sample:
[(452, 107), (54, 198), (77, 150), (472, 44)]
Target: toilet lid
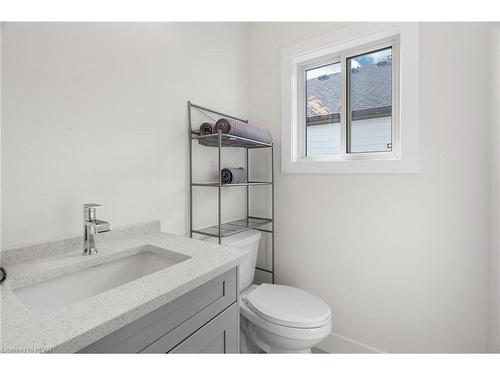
[(288, 306)]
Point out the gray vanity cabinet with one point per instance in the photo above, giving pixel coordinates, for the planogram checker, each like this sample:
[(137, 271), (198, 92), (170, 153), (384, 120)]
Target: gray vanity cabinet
[(204, 320)]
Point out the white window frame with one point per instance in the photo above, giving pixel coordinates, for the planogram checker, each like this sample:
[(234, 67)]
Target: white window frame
[(338, 46)]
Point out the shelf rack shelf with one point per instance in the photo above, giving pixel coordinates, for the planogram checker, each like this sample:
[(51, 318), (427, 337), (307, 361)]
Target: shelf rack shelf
[(235, 227), (216, 184), (218, 141), (228, 140)]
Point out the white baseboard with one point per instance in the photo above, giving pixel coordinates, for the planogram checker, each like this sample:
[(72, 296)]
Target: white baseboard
[(335, 343)]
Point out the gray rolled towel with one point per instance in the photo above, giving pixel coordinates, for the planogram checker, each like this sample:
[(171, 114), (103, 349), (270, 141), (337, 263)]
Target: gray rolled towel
[(206, 128), (242, 129), (233, 175)]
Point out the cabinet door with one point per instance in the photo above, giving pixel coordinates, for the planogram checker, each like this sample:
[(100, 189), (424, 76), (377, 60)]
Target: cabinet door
[(220, 335)]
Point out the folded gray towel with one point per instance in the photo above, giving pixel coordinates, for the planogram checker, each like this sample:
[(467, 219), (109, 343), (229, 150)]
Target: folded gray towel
[(233, 175), (242, 129), (206, 128), (214, 142)]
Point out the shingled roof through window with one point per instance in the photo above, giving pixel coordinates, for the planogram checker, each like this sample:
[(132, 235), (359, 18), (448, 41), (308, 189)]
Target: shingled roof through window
[(371, 85)]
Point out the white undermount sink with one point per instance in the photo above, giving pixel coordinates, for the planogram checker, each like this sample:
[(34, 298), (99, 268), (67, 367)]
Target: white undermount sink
[(48, 296)]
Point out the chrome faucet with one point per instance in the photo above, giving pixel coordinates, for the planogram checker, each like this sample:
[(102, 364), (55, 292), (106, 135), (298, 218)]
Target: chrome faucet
[(92, 226)]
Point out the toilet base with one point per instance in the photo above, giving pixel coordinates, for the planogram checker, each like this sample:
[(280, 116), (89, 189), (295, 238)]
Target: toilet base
[(247, 344), (251, 341)]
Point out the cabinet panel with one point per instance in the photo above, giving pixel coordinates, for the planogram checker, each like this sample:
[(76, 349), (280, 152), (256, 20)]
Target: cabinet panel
[(220, 335), (189, 311)]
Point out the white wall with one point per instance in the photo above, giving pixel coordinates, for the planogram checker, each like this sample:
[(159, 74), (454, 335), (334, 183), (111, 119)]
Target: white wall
[(494, 337), (97, 112), (401, 259)]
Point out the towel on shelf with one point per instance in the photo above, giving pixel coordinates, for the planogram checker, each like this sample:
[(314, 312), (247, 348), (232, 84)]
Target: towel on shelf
[(233, 175), (214, 142), (242, 129), (206, 128)]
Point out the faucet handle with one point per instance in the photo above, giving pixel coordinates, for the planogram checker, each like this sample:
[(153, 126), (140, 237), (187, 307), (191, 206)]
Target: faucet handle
[(89, 211), (87, 206)]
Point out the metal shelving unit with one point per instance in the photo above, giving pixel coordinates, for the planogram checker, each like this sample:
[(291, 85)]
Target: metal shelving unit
[(218, 141)]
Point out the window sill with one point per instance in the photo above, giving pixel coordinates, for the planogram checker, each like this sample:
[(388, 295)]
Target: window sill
[(392, 165), (374, 156)]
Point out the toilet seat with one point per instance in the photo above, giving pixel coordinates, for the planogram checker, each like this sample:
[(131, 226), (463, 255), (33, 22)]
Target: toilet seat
[(294, 333), (288, 306)]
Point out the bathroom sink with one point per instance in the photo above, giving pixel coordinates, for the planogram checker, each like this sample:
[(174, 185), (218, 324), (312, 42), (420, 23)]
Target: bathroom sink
[(49, 296)]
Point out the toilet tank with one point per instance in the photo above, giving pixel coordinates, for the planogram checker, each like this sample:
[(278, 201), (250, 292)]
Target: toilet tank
[(248, 240)]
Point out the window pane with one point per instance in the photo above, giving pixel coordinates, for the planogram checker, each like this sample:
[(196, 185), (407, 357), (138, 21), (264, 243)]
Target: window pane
[(370, 102), (323, 87)]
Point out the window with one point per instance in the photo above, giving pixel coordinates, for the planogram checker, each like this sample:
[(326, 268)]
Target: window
[(342, 107), (360, 80), (369, 102), (322, 101)]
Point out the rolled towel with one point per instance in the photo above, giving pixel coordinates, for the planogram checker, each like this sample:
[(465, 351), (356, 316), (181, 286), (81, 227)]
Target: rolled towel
[(233, 175), (206, 128), (242, 129)]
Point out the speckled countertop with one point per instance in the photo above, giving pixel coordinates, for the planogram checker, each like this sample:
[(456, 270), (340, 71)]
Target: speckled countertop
[(73, 327)]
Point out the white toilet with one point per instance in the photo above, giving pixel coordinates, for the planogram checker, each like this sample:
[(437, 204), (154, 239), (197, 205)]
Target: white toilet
[(276, 318)]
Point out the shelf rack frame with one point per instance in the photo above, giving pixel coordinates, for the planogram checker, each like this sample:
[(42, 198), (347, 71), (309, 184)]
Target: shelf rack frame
[(222, 230)]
